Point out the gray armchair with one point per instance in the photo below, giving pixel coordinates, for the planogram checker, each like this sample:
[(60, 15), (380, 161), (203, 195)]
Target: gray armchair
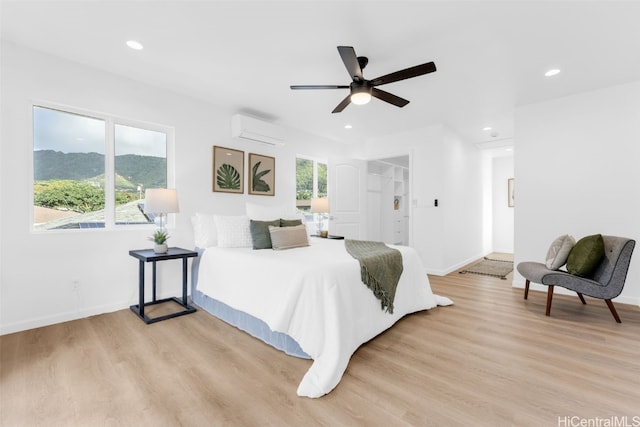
[(606, 282)]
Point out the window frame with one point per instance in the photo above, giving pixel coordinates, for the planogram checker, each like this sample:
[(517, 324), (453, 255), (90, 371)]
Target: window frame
[(110, 121)]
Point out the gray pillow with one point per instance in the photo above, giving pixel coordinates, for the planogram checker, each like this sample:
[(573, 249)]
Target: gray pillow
[(290, 222), (288, 237), (260, 233), (559, 252)]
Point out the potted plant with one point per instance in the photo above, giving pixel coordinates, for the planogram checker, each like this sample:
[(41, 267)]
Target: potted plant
[(159, 239)]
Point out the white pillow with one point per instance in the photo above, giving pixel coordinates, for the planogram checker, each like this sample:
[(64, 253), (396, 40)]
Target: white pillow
[(233, 231), (288, 237), (559, 252), (269, 213), (204, 230)]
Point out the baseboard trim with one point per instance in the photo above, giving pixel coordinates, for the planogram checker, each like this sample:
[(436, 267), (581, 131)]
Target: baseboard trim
[(455, 267), (58, 318), (67, 316)]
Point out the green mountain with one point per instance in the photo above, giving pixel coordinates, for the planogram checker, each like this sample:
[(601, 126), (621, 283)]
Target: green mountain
[(122, 183), (149, 171)]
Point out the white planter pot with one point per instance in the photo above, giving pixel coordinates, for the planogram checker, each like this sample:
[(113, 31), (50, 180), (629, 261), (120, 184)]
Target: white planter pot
[(160, 249)]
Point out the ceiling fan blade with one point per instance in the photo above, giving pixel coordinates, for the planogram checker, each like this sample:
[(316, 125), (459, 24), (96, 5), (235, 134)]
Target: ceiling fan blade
[(343, 104), (298, 87), (389, 97), (407, 73), (350, 60)]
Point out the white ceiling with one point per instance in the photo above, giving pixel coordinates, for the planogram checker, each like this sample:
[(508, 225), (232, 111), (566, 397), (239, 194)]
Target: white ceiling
[(243, 55)]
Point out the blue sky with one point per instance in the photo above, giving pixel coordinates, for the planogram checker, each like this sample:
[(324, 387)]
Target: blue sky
[(73, 133)]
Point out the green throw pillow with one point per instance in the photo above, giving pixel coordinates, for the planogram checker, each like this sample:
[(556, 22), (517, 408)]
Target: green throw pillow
[(290, 222), (260, 233), (586, 255)]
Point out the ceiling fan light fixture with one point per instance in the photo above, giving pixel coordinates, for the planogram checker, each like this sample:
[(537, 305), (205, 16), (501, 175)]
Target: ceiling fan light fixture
[(361, 89), (360, 94), (360, 98)]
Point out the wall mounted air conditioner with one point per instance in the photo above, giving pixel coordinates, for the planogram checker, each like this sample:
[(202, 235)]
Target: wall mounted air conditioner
[(252, 129)]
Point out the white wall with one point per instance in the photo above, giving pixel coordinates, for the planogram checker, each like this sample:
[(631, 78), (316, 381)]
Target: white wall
[(577, 172), (57, 276), (576, 163), (502, 214), (462, 202), (448, 169)]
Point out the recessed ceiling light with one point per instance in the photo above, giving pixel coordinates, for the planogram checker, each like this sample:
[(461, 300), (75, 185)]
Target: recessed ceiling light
[(486, 128), (348, 126), (135, 45), (552, 72)]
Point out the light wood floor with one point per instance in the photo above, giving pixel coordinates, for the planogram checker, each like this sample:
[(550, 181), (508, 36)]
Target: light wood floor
[(491, 359)]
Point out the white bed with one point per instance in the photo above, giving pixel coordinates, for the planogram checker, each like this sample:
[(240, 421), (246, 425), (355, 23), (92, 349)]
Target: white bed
[(314, 295)]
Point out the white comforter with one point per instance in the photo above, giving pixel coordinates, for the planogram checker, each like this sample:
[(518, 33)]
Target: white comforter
[(315, 295)]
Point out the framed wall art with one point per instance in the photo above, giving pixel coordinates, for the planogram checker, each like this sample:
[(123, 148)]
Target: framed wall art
[(262, 175), (510, 193), (228, 170)]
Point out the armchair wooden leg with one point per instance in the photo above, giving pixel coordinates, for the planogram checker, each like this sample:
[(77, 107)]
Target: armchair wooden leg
[(526, 289), (613, 310), (581, 297), (549, 298)]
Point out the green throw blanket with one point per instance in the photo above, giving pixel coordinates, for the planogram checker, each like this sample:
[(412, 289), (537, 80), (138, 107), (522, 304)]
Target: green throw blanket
[(380, 268)]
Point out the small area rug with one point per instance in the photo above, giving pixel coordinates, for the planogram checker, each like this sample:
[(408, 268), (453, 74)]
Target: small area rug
[(490, 267)]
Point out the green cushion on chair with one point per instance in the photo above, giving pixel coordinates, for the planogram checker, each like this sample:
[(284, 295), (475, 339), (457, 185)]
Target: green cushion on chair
[(586, 255)]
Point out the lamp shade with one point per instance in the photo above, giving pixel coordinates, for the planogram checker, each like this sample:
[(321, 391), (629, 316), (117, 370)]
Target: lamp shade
[(161, 200), (320, 205)]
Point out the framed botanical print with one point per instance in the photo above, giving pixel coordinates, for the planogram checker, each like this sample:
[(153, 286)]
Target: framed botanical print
[(228, 170), (262, 175)]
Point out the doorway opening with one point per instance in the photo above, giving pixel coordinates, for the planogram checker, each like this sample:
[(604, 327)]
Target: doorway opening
[(388, 200)]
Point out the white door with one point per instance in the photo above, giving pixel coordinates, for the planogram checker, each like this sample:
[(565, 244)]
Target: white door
[(347, 188)]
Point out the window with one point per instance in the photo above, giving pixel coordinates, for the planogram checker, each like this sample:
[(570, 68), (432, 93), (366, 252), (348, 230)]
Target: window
[(140, 163), (311, 181), (91, 171)]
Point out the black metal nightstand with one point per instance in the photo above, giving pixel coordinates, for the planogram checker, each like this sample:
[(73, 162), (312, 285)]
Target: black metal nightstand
[(147, 255), (330, 237)]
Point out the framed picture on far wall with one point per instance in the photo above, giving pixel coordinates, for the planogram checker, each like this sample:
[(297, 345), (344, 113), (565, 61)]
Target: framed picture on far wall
[(510, 194), (262, 175), (228, 170)]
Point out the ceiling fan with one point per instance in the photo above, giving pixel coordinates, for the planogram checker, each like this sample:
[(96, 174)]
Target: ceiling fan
[(361, 90)]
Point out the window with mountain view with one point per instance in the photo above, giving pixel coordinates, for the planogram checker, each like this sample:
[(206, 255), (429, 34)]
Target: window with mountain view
[(91, 171), (140, 163)]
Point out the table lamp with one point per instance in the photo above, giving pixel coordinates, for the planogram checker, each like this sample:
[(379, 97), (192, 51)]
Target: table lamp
[(320, 206), (161, 201)]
